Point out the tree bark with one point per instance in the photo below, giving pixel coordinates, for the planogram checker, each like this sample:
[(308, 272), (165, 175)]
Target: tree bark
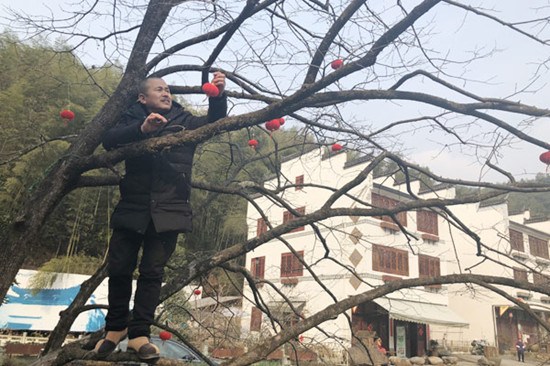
[(25, 229), (74, 354)]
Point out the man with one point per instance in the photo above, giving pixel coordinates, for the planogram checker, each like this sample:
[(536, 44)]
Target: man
[(154, 207)]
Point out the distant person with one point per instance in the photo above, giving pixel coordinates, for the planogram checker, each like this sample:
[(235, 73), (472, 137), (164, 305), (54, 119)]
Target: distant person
[(520, 347), (154, 207)]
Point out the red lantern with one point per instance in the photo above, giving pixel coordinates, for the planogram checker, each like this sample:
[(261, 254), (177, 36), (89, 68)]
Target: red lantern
[(197, 291), (164, 335), (253, 143), (272, 125), (67, 114), (545, 157), (336, 147), (301, 338), (336, 64), (210, 89), (281, 121)]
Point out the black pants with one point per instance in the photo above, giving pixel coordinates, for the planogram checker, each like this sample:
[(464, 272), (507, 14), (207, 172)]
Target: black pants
[(122, 257), (521, 356)]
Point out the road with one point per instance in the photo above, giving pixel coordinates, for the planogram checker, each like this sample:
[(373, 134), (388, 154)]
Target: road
[(506, 360)]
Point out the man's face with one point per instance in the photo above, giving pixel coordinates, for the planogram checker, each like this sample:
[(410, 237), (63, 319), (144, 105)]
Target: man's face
[(157, 98)]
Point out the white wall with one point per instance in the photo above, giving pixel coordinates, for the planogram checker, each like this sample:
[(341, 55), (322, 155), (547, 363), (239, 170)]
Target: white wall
[(457, 250), (337, 234)]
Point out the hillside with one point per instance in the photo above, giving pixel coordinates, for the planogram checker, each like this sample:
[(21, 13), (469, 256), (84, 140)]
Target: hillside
[(537, 203)]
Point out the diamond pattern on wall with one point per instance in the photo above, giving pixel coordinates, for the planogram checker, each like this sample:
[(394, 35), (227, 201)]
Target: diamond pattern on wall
[(355, 282), (355, 236), (354, 219), (355, 258)]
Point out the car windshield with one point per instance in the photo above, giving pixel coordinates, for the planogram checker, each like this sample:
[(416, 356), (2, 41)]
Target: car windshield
[(171, 349)]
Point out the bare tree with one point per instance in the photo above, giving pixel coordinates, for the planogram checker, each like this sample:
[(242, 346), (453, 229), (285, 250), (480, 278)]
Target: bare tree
[(277, 55)]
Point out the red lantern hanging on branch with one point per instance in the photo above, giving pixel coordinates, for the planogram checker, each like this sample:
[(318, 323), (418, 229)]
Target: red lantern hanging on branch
[(336, 64), (165, 335), (545, 158), (210, 90), (67, 115), (336, 147), (197, 291), (273, 125), (253, 143)]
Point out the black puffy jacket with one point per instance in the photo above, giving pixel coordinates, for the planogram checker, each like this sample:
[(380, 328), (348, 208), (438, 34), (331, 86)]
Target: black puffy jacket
[(158, 186)]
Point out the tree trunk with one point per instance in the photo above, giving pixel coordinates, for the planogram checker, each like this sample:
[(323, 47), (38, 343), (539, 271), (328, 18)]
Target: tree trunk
[(63, 176)]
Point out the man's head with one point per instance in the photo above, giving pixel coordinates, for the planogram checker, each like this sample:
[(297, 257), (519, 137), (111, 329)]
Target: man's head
[(155, 95)]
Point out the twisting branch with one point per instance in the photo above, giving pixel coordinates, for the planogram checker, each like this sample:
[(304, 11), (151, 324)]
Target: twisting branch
[(247, 11), (498, 20), (30, 149), (329, 38)]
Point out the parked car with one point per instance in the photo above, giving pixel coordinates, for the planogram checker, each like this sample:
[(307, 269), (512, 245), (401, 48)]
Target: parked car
[(173, 349)]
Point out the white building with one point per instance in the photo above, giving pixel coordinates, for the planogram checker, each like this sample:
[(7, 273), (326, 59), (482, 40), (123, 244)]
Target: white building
[(350, 255), (521, 244)]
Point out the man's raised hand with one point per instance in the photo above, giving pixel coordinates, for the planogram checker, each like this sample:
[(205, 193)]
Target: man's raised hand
[(153, 122)]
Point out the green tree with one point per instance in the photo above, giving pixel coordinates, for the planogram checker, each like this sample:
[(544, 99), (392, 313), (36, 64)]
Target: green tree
[(538, 203), (37, 81)]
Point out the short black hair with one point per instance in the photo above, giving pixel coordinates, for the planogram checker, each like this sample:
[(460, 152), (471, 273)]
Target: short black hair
[(144, 84)]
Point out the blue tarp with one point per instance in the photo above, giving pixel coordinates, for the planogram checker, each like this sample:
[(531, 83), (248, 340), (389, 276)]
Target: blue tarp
[(28, 309)]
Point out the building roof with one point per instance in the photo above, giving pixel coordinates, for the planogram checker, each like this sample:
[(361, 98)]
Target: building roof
[(499, 200), (393, 192), (529, 230), (421, 312), (532, 219), (211, 301)]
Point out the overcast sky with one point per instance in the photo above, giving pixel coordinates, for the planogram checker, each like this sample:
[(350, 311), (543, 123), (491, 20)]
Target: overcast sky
[(509, 69)]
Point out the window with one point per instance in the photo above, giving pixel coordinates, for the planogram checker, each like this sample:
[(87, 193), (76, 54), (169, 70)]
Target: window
[(386, 202), (288, 313), (428, 266), (255, 319), (426, 221), (390, 260), (261, 227), (540, 279), (520, 275), (291, 265), (516, 240), (257, 267), (288, 217), (538, 247), (299, 182), (289, 319)]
